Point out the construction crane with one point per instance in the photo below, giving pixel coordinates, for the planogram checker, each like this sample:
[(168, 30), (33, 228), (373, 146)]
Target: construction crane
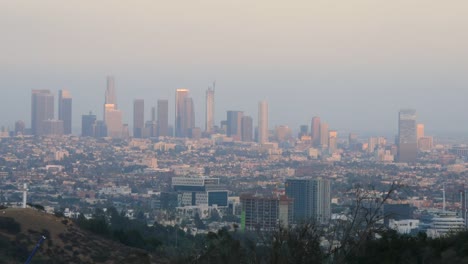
[(35, 249)]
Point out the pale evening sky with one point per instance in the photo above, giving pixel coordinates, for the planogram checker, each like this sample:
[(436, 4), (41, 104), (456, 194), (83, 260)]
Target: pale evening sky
[(354, 63)]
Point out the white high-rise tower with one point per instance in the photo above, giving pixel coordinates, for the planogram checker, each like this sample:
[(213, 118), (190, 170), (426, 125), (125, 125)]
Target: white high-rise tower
[(262, 122), (209, 118)]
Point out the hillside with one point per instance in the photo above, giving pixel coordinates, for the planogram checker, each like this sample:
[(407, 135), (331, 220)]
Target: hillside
[(20, 229)]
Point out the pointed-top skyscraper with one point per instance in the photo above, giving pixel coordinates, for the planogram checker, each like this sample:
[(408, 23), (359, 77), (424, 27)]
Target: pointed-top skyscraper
[(112, 116), (111, 97)]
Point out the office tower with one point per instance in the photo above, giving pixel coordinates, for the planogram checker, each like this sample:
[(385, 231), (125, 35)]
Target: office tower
[(52, 127), (112, 116), (323, 135), (42, 108), (247, 129), (352, 141), (332, 141), (163, 118), (189, 115), (150, 129), (100, 129), (113, 121), (180, 120), (315, 131), (407, 141), (265, 213), (209, 110), (138, 117), (200, 191), (234, 125), (19, 128), (262, 122), (88, 123), (425, 143), (283, 133), (65, 111), (312, 199), (419, 132), (111, 97), (303, 131)]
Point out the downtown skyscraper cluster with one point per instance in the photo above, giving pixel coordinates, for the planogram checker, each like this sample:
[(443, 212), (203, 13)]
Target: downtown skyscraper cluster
[(43, 122)]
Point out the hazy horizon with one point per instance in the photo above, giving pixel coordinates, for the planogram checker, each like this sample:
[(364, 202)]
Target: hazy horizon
[(354, 63)]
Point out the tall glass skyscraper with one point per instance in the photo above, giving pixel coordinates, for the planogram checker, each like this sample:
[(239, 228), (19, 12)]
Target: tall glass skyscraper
[(407, 138), (180, 112), (42, 109), (262, 122), (234, 124), (138, 117), (65, 111), (209, 111), (112, 116), (163, 118), (315, 131)]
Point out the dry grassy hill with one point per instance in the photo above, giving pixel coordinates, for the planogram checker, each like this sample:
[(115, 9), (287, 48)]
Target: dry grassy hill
[(66, 243)]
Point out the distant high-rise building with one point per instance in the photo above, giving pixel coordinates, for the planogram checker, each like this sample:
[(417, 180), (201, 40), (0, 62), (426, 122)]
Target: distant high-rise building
[(42, 109), (65, 111), (407, 138), (312, 199), (425, 143), (112, 116), (332, 141), (261, 213), (88, 123), (113, 121), (100, 129), (163, 118), (180, 119), (52, 127), (324, 135), (189, 115), (234, 124), (352, 141), (419, 131), (138, 117), (209, 111), (315, 131), (303, 131), (262, 122), (151, 129), (247, 128), (283, 133)]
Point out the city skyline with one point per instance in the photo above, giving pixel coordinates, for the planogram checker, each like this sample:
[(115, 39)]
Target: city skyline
[(142, 127), (349, 64)]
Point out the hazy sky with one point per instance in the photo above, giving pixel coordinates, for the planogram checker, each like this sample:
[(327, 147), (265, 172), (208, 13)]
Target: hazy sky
[(354, 63)]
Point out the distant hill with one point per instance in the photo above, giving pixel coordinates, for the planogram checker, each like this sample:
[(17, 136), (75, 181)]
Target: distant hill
[(20, 229)]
